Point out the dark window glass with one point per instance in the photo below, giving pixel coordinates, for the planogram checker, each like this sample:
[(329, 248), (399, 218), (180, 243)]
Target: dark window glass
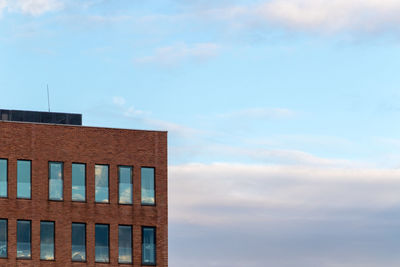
[(23, 179), (148, 245), (3, 238), (101, 181), (147, 175), (3, 178), (23, 239), (124, 244), (78, 182), (47, 240), (125, 184), (55, 180), (102, 243), (78, 242)]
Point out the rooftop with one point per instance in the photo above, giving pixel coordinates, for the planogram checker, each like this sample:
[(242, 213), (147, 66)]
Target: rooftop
[(40, 117)]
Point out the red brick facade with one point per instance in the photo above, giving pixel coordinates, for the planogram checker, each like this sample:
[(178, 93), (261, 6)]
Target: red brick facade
[(42, 143)]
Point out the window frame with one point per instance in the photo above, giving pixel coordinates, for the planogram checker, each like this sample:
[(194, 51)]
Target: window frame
[(30, 193), (54, 240), (108, 183), (132, 171), (108, 226), (7, 172), (131, 226), (81, 201), (155, 246), (85, 224), (48, 181), (155, 187), (30, 224), (6, 220)]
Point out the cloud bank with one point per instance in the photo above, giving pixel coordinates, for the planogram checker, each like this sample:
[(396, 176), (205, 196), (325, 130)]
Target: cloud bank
[(277, 192), (285, 216)]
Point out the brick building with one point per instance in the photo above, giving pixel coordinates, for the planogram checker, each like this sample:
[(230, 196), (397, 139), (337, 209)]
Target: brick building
[(81, 196)]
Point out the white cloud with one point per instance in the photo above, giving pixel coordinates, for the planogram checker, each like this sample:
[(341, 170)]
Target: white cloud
[(178, 53), (3, 5), (33, 7), (133, 112), (144, 117), (119, 101), (175, 128), (317, 16), (290, 156), (130, 111), (332, 15)]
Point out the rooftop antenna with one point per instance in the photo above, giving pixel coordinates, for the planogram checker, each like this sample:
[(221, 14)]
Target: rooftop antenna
[(48, 97)]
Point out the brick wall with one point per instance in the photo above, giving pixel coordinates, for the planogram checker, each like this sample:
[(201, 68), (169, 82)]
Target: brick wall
[(42, 143)]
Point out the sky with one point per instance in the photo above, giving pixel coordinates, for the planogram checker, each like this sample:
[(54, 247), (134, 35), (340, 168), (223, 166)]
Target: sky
[(284, 146)]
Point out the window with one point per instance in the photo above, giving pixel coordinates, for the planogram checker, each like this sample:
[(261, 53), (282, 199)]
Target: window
[(3, 178), (101, 181), (78, 182), (78, 242), (102, 243), (147, 176), (124, 244), (23, 239), (148, 246), (24, 179), (125, 184), (3, 238), (56, 180), (47, 240)]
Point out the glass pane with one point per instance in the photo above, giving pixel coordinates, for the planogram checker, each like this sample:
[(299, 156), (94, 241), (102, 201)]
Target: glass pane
[(55, 181), (148, 245), (125, 244), (101, 181), (125, 185), (3, 238), (78, 182), (148, 186), (23, 179), (79, 242), (3, 178), (47, 240), (24, 239), (101, 243)]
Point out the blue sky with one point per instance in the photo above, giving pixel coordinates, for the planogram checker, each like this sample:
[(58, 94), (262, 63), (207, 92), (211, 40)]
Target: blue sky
[(282, 115)]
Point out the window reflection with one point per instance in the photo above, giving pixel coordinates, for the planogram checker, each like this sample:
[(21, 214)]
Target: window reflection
[(3, 238), (78, 242), (147, 180), (101, 243), (55, 180), (78, 182), (125, 184), (23, 179), (23, 239), (124, 244), (3, 178), (47, 240), (101, 182), (148, 245)]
